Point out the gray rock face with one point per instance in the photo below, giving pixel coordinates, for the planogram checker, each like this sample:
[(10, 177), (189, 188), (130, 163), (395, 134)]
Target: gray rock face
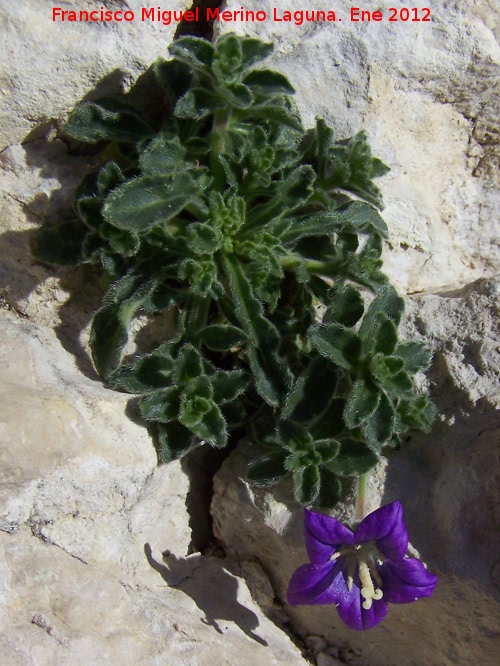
[(448, 482), (428, 94), (48, 66), (85, 513)]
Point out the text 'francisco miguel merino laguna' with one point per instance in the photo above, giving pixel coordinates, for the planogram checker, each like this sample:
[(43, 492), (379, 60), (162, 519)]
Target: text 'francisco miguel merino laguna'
[(167, 16)]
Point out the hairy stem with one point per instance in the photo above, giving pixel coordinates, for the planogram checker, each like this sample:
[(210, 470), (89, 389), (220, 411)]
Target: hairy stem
[(361, 503), (221, 121)]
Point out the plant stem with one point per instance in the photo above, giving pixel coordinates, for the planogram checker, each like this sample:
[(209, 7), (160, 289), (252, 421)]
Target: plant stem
[(220, 122), (361, 503)]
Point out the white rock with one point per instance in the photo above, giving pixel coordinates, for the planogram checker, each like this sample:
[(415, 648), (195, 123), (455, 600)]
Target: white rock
[(428, 94), (49, 66), (85, 514), (447, 482)]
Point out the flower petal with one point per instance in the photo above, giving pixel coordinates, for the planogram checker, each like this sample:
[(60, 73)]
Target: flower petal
[(386, 526), (351, 611), (406, 580), (324, 535), (312, 584)]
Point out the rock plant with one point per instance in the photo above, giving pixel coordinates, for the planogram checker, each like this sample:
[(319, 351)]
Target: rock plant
[(263, 241)]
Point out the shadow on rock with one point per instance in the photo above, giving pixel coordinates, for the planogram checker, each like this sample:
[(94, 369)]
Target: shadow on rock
[(211, 587)]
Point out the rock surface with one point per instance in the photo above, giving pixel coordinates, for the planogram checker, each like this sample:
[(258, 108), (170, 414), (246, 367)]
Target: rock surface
[(448, 482), (428, 94), (85, 514)]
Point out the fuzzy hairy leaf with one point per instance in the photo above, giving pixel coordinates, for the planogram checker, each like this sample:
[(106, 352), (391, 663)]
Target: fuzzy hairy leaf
[(228, 385), (267, 471), (173, 441), (388, 304), (416, 356), (346, 306), (211, 427), (197, 53), (355, 458), (362, 402), (222, 337), (267, 81), (107, 119), (149, 200), (306, 483), (386, 336), (379, 426), (161, 405), (312, 392), (293, 436), (339, 344)]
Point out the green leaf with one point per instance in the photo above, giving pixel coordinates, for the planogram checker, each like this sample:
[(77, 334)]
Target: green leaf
[(355, 458), (352, 167), (386, 336), (60, 244), (346, 306), (398, 385), (293, 436), (109, 177), (164, 155), (162, 405), (197, 103), (307, 485), (272, 377), (379, 426), (188, 364), (267, 471), (285, 196), (329, 491), (339, 344), (203, 238), (109, 118), (227, 385), (173, 441), (267, 81), (387, 303), (361, 217), (144, 202), (194, 52), (228, 58), (211, 427), (273, 113), (415, 412), (109, 334), (254, 50), (415, 355), (326, 448), (312, 392), (174, 76), (109, 331), (361, 404), (237, 95), (222, 337), (152, 371)]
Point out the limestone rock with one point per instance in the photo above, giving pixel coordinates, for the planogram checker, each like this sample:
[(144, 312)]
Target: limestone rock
[(448, 482), (48, 66), (428, 94), (85, 514)]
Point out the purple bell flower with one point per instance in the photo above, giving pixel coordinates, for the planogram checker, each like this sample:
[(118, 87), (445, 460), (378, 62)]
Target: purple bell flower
[(361, 572)]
